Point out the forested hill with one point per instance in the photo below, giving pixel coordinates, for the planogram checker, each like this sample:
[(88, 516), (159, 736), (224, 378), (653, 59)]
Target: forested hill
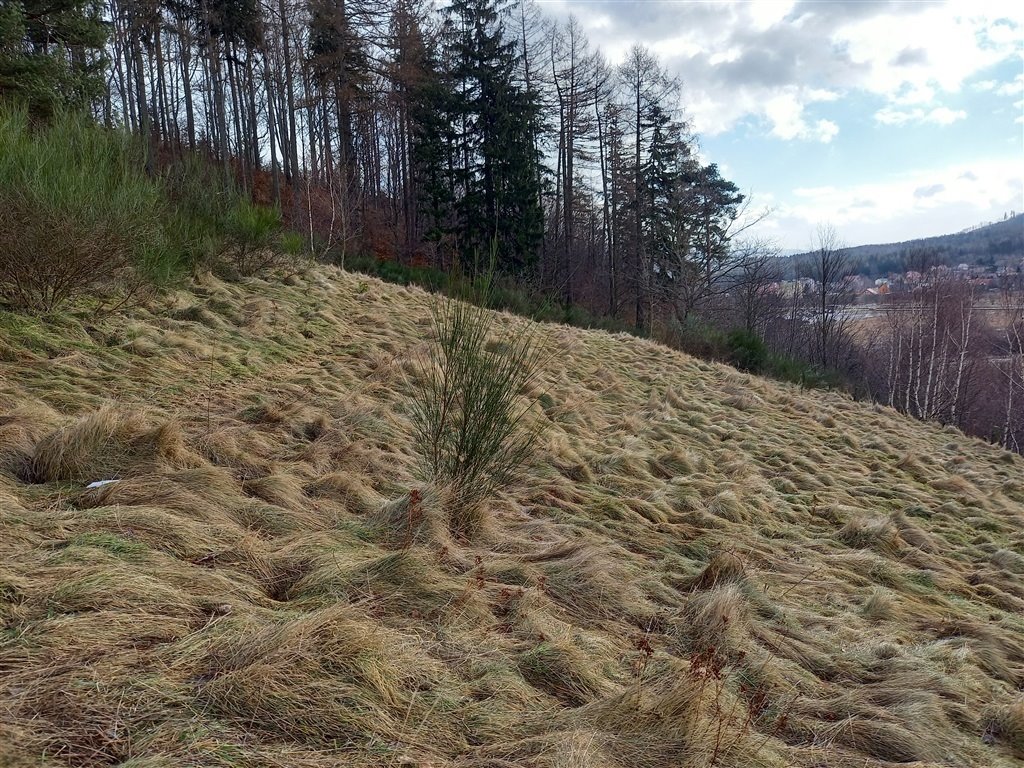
[(991, 244)]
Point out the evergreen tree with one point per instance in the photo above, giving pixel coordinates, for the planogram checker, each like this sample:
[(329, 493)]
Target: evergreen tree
[(715, 204), (647, 88), (431, 138), (495, 170), (51, 53), (661, 183)]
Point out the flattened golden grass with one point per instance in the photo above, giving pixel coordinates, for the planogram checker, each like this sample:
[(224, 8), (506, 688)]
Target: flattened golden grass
[(701, 568)]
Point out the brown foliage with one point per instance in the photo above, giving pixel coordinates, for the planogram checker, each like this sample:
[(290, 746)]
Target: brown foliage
[(48, 261)]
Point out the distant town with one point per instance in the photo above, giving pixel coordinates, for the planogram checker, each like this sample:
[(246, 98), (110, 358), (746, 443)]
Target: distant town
[(862, 289), (988, 257)]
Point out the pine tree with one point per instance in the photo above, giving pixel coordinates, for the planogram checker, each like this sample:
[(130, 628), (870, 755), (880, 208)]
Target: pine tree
[(51, 53), (495, 172), (428, 105), (715, 204), (661, 182)]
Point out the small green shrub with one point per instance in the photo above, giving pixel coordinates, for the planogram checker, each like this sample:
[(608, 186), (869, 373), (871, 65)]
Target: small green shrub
[(251, 233), (292, 244), (469, 415), (215, 223), (746, 351), (401, 274), (799, 372), (77, 213), (697, 338)]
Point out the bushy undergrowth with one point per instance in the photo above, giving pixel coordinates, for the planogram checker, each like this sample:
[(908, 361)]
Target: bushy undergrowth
[(740, 348), (199, 203), (251, 238), (747, 351), (505, 293), (76, 211), (79, 215)]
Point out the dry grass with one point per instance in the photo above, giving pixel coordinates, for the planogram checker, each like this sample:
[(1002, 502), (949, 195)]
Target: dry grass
[(699, 568), (1005, 723)]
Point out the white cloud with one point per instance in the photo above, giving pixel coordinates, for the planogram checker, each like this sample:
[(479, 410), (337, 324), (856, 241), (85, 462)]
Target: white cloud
[(910, 94), (766, 15), (945, 115), (938, 116), (956, 42), (774, 61), (825, 130), (890, 116), (1014, 88), (912, 204), (786, 114), (680, 45)]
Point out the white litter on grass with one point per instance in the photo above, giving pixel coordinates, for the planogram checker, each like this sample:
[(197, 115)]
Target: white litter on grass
[(100, 483)]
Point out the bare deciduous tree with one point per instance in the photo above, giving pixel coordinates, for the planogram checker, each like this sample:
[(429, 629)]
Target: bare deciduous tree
[(830, 268), (758, 273), (1011, 302)]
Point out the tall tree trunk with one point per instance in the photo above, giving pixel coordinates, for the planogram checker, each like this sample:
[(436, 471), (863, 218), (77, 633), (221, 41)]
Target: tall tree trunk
[(965, 341), (217, 96), (638, 244), (606, 213), (928, 404), (140, 94), (185, 56), (275, 179), (291, 153)]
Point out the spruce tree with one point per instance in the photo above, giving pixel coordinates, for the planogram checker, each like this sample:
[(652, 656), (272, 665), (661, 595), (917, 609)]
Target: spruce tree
[(51, 53), (431, 136), (495, 172), (661, 183)]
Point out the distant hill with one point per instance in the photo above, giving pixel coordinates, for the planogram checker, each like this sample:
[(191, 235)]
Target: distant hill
[(991, 244)]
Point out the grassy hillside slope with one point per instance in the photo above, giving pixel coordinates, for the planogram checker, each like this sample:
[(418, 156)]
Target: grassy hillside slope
[(700, 568)]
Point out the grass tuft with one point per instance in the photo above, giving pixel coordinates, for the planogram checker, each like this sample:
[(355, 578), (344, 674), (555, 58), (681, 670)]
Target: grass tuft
[(1005, 723), (109, 444)]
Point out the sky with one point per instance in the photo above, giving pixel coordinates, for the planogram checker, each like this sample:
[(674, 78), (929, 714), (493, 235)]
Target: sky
[(886, 120)]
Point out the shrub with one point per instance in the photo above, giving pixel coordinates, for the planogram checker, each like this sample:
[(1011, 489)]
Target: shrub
[(746, 351), (468, 415), (697, 338), (394, 272), (251, 233), (292, 244), (77, 214), (199, 202), (214, 222)]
